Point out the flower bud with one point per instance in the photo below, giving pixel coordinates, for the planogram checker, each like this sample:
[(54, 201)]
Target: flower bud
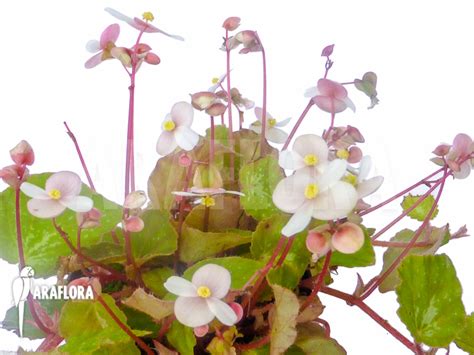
[(88, 282), (185, 160), (348, 238), (237, 308), (441, 150), (201, 331), (231, 23), (87, 220), (14, 175), (318, 243), (327, 51), (22, 154), (216, 109), (133, 224), (207, 177), (203, 99), (135, 199)]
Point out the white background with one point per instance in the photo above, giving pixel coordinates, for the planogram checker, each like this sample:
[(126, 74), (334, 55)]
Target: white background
[(421, 51)]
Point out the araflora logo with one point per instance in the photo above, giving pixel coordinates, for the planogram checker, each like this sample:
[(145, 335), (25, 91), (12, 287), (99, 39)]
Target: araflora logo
[(23, 287)]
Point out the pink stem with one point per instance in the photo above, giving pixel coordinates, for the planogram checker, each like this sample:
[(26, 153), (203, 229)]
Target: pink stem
[(331, 126), (212, 142), (285, 251), (297, 125), (81, 158), (19, 237), (264, 99), (319, 283), (229, 108)]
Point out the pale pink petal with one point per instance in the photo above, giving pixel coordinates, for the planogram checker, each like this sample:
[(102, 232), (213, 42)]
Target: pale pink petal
[(299, 221), (166, 143), (152, 58), (34, 191), (182, 113), (349, 104), (464, 170), (222, 311), (333, 173), (355, 155), (187, 194), (118, 15), (78, 203), (330, 88), (67, 182), (94, 61), (462, 144), (276, 135), (45, 208), (311, 144), (259, 114), (329, 104), (256, 127), (109, 35), (364, 169), (336, 202), (238, 193), (186, 138), (201, 331), (93, 46), (122, 54), (290, 160), (288, 195), (283, 123), (348, 239), (140, 24), (216, 277), (368, 187), (312, 92), (180, 287), (193, 311), (317, 243), (135, 199)]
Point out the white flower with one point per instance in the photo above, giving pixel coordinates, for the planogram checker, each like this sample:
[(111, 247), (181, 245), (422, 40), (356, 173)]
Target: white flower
[(199, 301), (272, 133), (310, 153), (323, 197), (364, 186), (217, 82), (205, 195), (61, 192), (177, 131)]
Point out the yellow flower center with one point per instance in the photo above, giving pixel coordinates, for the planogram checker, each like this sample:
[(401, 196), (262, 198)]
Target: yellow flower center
[(351, 179), (55, 194), (208, 201), (311, 160), (204, 292), (342, 154), (148, 16), (311, 191), (215, 80), (272, 122), (169, 126)]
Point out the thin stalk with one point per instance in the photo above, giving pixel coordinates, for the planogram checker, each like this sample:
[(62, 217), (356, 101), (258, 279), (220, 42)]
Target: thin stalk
[(297, 124), (331, 126), (229, 108), (207, 212), (19, 237), (32, 306), (212, 142), (319, 282), (254, 345), (264, 101), (285, 251), (81, 158)]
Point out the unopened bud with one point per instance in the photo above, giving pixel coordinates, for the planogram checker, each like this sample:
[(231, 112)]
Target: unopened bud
[(185, 160), (318, 243), (231, 23), (87, 220), (348, 238), (216, 109), (203, 99), (238, 310), (201, 331), (14, 175), (22, 154), (133, 224), (135, 199)]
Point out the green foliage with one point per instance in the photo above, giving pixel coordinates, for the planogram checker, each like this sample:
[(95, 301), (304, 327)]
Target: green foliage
[(257, 181), (365, 256), (430, 299), (149, 304), (42, 243), (433, 235), (422, 210), (465, 338), (181, 338), (313, 341), (154, 280)]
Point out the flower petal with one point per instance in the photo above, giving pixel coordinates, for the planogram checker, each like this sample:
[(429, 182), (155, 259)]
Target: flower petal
[(299, 221), (288, 195), (464, 170), (312, 92), (182, 113), (192, 311), (166, 143), (152, 58), (329, 104), (34, 191), (122, 54), (118, 15), (93, 61), (259, 113), (67, 182), (333, 173), (93, 46), (78, 203), (180, 286), (45, 208), (283, 123), (290, 160), (349, 104), (311, 144), (368, 187), (256, 127), (335, 202), (186, 138), (364, 168), (216, 277), (110, 35), (276, 135), (331, 88), (222, 311), (149, 28)]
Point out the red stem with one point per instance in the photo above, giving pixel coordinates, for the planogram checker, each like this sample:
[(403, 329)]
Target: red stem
[(254, 345), (19, 237), (285, 251), (331, 126), (212, 142), (325, 324), (50, 343), (81, 158), (229, 108), (297, 125), (36, 317), (319, 282)]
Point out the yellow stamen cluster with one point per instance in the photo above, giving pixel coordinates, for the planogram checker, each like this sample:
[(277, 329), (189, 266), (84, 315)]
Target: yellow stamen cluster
[(55, 194), (311, 191), (215, 80), (208, 201), (204, 292), (272, 122), (311, 160), (169, 126), (351, 179), (342, 154), (148, 16)]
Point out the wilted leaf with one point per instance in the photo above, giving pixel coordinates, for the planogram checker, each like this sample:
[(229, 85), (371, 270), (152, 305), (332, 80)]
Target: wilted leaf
[(224, 345), (149, 304), (368, 85), (422, 210), (313, 341), (283, 320), (310, 313)]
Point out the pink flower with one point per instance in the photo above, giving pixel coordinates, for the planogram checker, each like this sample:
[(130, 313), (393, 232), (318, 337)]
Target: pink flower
[(248, 39), (103, 47), (330, 96), (143, 54), (22, 154), (272, 131), (140, 24), (61, 191), (459, 157), (199, 301)]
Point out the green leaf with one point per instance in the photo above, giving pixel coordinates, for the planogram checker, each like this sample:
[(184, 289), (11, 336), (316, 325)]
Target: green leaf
[(140, 320), (365, 256), (181, 338), (257, 181), (149, 304), (432, 234), (196, 245), (430, 299), (29, 330), (422, 210), (264, 240), (157, 238), (241, 269), (313, 341), (368, 86), (265, 350), (154, 280), (42, 243), (282, 319), (465, 339)]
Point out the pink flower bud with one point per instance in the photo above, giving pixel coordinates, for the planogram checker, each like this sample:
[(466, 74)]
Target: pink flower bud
[(327, 51), (231, 23), (201, 331), (317, 243), (185, 160), (87, 220), (202, 100), (135, 199), (134, 224), (14, 175), (216, 109), (355, 155), (88, 282), (348, 238), (23, 154), (237, 308), (441, 150), (355, 134)]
